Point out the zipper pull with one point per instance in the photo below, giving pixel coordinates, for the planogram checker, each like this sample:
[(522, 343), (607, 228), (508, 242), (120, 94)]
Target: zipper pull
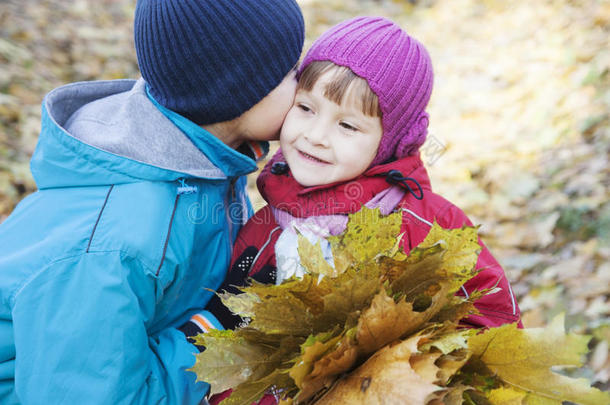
[(184, 188)]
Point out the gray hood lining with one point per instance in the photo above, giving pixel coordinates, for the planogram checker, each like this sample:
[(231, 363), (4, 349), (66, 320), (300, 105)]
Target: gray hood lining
[(118, 117)]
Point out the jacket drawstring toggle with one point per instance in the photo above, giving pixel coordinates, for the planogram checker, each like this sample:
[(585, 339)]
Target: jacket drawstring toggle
[(396, 177), (185, 188), (279, 168)]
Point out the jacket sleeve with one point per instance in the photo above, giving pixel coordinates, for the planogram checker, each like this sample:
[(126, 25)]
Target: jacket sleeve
[(81, 337), (499, 307)]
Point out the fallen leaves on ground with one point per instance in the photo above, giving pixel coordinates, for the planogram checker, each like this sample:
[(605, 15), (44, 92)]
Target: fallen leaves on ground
[(519, 129)]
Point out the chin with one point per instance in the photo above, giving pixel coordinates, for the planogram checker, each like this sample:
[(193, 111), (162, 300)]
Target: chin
[(306, 181)]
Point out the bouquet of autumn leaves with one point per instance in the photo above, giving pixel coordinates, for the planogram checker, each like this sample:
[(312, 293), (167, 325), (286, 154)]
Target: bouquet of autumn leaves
[(381, 327)]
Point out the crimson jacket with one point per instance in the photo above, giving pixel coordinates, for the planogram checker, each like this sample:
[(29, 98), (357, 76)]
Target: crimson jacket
[(255, 243)]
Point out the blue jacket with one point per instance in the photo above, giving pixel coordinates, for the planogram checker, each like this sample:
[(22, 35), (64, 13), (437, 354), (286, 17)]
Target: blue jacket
[(130, 230)]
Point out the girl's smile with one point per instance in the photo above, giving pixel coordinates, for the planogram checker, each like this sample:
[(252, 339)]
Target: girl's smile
[(312, 159)]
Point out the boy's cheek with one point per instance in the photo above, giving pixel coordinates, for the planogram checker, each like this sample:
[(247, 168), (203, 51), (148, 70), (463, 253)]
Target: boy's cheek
[(288, 127)]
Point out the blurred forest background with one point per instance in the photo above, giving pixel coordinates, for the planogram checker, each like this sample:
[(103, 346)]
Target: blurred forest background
[(519, 135)]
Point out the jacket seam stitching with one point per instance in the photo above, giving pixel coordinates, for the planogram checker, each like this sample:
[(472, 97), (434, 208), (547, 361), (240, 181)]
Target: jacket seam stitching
[(34, 275), (484, 307), (98, 218), (263, 247), (440, 213), (510, 290), (498, 314)]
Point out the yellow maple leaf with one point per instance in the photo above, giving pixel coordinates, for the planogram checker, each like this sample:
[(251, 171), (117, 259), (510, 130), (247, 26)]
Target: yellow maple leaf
[(450, 342), (285, 315), (417, 273), (348, 294), (462, 250), (308, 290), (522, 359), (251, 391), (313, 259), (368, 235), (506, 396), (230, 360), (242, 304)]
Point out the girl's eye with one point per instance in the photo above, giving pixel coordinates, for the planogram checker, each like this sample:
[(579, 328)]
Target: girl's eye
[(348, 126), (303, 107)]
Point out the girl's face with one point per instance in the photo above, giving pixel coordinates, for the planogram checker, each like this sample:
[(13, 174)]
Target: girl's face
[(324, 142)]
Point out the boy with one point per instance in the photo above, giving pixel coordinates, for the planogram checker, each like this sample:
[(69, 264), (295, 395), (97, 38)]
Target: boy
[(141, 194)]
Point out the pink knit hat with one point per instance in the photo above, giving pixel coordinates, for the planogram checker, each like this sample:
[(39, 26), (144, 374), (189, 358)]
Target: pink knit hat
[(397, 68)]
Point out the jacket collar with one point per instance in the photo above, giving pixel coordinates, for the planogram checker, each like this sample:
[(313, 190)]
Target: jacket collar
[(110, 132), (283, 192)]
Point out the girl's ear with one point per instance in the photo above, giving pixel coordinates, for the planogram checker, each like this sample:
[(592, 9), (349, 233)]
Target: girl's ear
[(414, 138)]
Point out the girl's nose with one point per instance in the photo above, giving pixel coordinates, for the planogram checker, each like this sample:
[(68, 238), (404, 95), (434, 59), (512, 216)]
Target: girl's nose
[(316, 135)]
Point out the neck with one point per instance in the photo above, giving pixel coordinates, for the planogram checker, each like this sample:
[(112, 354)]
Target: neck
[(227, 131)]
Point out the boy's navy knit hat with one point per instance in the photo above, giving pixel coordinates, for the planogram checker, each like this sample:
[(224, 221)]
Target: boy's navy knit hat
[(211, 60)]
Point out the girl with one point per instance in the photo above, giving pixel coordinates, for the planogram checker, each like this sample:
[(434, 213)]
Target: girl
[(350, 139)]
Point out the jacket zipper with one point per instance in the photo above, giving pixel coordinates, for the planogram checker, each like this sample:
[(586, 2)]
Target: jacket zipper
[(232, 188), (229, 200)]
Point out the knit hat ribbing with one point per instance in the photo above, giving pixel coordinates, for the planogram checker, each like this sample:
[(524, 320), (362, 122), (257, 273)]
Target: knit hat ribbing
[(397, 68), (212, 60)]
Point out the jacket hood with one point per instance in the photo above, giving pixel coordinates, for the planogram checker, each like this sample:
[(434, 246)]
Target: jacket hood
[(283, 192), (111, 132)]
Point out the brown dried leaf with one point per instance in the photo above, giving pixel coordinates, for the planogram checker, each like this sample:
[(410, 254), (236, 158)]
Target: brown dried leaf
[(386, 378), (386, 321), (326, 370)]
